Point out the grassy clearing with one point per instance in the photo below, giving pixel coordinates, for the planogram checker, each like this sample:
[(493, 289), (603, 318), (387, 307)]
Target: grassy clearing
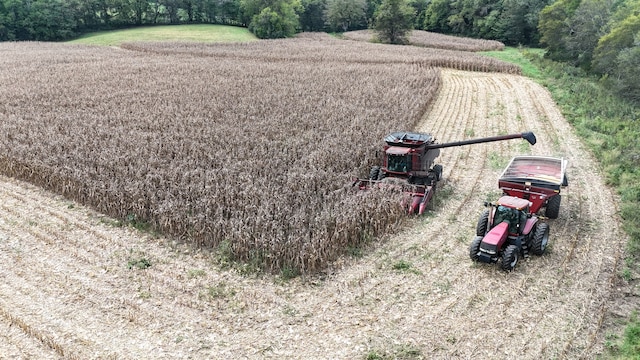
[(515, 56), (199, 33), (609, 127)]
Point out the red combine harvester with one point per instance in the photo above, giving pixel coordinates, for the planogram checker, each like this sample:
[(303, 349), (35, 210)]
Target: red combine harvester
[(409, 164), (511, 228), (537, 179)]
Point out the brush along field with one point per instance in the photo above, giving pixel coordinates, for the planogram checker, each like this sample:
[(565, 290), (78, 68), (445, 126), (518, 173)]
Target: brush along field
[(433, 40), (77, 286)]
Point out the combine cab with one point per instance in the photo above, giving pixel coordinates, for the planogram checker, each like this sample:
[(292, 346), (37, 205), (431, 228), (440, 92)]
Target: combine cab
[(409, 163), (507, 231)]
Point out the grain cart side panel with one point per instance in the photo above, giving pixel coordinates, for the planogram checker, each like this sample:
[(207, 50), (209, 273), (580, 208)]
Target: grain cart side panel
[(535, 178)]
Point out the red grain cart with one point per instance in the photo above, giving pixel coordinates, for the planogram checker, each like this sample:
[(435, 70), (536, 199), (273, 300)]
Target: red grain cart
[(538, 179)]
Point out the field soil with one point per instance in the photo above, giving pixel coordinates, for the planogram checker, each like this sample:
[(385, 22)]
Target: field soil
[(76, 285)]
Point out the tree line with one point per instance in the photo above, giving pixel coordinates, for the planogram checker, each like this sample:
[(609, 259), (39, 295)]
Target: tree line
[(510, 21), (599, 36)]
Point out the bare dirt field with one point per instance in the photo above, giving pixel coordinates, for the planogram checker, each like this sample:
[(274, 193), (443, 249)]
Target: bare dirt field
[(72, 287)]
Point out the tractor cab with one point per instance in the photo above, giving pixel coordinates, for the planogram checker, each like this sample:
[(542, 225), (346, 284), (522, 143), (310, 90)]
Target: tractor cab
[(512, 210), (512, 231)]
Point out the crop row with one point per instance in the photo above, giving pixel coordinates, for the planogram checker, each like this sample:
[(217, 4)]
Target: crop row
[(322, 48), (248, 145)]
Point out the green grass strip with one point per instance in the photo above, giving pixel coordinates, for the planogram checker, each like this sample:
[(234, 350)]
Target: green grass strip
[(199, 33)]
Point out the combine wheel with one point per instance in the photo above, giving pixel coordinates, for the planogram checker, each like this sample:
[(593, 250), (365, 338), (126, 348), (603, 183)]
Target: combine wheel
[(553, 207), (375, 171), (438, 170), (483, 223), (474, 249), (540, 239), (381, 174), (510, 258)]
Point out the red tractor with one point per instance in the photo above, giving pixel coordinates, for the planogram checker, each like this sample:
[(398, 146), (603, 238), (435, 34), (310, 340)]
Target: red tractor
[(409, 163), (507, 231), (511, 228)]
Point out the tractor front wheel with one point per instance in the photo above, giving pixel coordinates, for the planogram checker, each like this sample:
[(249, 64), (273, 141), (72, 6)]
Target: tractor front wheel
[(483, 223), (510, 258), (474, 249), (375, 171), (553, 207), (540, 239)]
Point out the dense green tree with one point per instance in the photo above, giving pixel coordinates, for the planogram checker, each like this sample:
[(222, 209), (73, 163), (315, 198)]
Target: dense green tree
[(312, 17), (420, 8), (4, 22), (554, 27), (436, 16), (486, 19), (371, 8), (460, 18), (49, 21), (393, 21), (627, 71), (518, 21), (588, 24), (171, 9), (227, 12), (345, 15), (609, 46), (278, 19), (16, 25), (137, 10), (251, 8)]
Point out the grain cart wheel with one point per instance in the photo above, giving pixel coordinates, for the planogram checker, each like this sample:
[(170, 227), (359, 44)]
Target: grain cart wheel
[(510, 258), (553, 207), (540, 239), (483, 224), (474, 249), (375, 171), (438, 170)]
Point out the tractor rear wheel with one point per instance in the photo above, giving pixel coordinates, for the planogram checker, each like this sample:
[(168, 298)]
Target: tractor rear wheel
[(553, 207), (375, 171), (510, 258), (483, 224), (474, 249), (540, 239)]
